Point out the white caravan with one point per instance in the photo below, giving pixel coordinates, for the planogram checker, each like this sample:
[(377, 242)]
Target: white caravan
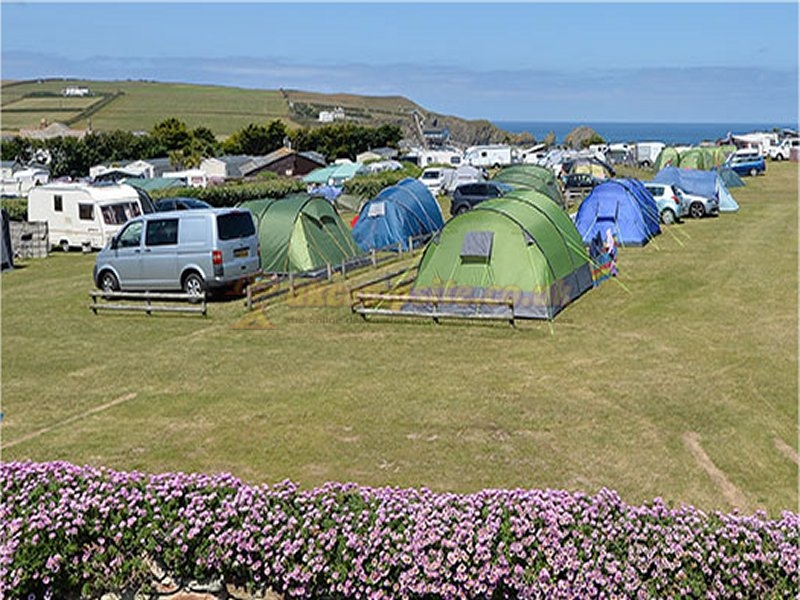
[(80, 215), (646, 153), (492, 155)]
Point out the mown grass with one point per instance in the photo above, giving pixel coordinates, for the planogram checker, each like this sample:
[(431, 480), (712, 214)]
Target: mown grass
[(144, 104), (698, 336)]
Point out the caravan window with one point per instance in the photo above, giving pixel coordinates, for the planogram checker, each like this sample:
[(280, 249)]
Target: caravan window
[(58, 203), (86, 212), (120, 213)]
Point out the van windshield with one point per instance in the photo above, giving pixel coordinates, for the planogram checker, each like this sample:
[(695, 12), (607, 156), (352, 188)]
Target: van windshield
[(235, 225), (119, 213)]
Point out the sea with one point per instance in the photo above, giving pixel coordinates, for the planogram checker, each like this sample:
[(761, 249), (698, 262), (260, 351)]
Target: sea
[(672, 134)]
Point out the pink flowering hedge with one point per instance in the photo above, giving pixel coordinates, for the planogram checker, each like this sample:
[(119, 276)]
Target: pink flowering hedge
[(70, 531)]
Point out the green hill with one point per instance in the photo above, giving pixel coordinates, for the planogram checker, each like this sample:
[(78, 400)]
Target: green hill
[(139, 105)]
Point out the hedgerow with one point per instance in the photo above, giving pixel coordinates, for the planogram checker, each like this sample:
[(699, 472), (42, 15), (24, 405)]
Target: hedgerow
[(67, 530), (232, 194)]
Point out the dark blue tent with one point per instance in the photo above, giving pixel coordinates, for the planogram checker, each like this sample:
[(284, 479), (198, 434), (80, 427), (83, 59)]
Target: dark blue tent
[(406, 209), (702, 183), (616, 205)]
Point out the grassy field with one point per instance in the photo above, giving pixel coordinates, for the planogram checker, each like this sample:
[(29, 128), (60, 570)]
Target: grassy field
[(679, 380), (143, 104)]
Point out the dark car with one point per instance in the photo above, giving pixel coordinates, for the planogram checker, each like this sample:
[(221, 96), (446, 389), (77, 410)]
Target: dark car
[(167, 204), (580, 180), (468, 195)]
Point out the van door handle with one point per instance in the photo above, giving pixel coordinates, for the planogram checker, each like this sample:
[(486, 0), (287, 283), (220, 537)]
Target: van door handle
[(147, 249)]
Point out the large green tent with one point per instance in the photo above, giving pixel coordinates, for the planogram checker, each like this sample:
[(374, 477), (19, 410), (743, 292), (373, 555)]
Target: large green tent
[(532, 177), (300, 233), (520, 246)]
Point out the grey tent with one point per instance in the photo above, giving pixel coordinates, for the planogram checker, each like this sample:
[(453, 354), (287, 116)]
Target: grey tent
[(6, 252)]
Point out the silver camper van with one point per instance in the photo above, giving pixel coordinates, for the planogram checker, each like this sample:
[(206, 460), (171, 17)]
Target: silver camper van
[(191, 250)]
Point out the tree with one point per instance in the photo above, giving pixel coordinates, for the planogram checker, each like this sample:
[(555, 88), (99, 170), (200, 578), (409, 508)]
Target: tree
[(172, 134)]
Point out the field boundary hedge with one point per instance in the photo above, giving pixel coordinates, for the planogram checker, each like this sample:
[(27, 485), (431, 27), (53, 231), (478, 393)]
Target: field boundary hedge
[(69, 531)]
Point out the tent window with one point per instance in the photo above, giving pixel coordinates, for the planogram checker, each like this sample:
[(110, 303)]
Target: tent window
[(376, 209), (477, 244)]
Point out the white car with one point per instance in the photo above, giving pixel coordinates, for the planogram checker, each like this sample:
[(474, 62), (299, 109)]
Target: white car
[(783, 151)]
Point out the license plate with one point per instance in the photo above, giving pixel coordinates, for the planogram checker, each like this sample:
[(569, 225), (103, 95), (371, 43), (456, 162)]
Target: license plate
[(241, 252)]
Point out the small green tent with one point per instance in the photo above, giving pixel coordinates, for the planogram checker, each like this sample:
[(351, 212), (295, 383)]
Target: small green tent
[(668, 157), (532, 177), (300, 233), (520, 246)]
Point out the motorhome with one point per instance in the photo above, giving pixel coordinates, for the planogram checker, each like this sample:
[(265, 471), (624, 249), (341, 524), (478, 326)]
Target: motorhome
[(492, 155), (80, 215)]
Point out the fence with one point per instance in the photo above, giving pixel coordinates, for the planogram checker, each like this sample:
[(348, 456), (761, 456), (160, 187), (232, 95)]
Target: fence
[(270, 288), (144, 302), (362, 307)]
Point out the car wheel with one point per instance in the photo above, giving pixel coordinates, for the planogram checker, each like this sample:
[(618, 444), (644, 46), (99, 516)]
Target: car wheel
[(753, 172), (108, 282), (64, 245), (668, 216), (697, 210), (779, 157), (461, 209), (194, 285)]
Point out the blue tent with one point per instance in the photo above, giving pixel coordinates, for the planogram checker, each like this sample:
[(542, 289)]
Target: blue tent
[(406, 209), (614, 205), (730, 177), (703, 183), (645, 199)]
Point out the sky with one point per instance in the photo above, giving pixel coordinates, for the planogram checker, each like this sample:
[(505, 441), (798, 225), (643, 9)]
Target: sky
[(733, 62)]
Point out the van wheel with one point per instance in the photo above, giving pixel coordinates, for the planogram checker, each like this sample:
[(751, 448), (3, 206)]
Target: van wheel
[(667, 216), (108, 282), (64, 245), (194, 285)]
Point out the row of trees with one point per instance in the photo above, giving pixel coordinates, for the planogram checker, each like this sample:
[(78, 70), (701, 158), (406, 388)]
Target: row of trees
[(186, 147)]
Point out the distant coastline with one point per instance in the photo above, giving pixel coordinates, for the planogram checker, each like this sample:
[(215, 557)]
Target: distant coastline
[(669, 133)]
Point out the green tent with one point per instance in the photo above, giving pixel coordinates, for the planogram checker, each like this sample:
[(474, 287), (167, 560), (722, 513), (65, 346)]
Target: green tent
[(532, 177), (520, 246), (668, 157), (695, 158), (300, 233)]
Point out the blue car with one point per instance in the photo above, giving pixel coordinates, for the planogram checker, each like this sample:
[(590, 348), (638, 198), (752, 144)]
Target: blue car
[(747, 163)]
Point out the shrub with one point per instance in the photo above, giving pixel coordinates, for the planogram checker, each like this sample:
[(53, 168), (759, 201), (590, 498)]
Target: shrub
[(17, 208), (71, 529), (234, 193)]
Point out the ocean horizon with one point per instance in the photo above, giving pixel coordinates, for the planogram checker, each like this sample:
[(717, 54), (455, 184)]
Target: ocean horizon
[(669, 133)]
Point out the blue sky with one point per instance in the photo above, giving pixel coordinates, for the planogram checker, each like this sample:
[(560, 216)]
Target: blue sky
[(684, 62)]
